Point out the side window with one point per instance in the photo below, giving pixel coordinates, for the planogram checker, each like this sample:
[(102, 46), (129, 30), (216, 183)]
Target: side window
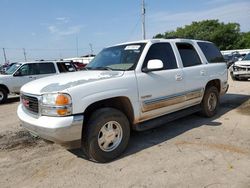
[(46, 68), (65, 67), (211, 52), (26, 70), (188, 54), (163, 52)]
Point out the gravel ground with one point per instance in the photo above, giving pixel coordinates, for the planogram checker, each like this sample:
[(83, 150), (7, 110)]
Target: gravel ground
[(189, 152)]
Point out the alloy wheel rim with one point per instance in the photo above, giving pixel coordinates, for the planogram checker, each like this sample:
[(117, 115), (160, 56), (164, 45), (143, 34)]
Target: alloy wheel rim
[(110, 136), (212, 102)]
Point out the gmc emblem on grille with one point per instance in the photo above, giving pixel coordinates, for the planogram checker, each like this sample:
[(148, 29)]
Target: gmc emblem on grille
[(25, 102)]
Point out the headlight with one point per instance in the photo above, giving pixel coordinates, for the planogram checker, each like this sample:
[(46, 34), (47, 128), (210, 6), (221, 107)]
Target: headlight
[(235, 68), (56, 104)]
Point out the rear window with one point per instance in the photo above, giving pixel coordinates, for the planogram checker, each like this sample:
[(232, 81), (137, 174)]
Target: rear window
[(211, 52), (46, 68), (65, 67)]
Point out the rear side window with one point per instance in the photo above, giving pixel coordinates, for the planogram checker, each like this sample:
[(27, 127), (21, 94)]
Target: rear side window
[(46, 68), (211, 52), (163, 52), (65, 67), (188, 54)]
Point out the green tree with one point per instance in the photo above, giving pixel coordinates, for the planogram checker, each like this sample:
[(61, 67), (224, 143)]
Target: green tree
[(244, 41), (225, 36)]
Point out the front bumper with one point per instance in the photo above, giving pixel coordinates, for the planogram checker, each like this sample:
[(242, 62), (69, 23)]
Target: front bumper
[(242, 74), (61, 130)]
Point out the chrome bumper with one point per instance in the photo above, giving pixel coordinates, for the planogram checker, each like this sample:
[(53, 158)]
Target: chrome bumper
[(56, 129)]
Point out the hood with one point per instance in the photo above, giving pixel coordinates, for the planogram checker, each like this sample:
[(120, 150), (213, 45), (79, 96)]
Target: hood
[(4, 76), (242, 63), (66, 80)]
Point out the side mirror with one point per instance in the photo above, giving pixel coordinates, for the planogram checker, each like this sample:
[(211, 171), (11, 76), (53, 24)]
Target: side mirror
[(153, 65)]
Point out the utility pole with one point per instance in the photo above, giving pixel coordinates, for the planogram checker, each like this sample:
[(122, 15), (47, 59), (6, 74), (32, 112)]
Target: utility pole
[(77, 46), (4, 54), (91, 48), (24, 53), (143, 20)]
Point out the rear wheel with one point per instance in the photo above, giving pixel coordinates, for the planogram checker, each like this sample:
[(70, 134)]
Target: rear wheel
[(210, 102), (106, 135), (3, 95)]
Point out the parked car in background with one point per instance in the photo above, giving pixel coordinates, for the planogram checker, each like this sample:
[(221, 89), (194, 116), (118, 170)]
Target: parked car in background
[(5, 67), (21, 73), (233, 57), (240, 70), (79, 66)]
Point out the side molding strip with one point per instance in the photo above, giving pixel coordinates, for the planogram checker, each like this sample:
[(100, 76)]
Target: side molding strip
[(165, 101)]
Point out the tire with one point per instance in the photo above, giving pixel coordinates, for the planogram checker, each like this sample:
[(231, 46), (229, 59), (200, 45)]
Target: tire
[(3, 95), (106, 135), (233, 77), (210, 102)]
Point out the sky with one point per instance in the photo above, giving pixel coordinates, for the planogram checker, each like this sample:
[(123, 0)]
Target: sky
[(52, 29)]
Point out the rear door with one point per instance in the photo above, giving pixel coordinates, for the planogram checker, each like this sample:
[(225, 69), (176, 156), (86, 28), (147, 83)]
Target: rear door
[(44, 69), (194, 72)]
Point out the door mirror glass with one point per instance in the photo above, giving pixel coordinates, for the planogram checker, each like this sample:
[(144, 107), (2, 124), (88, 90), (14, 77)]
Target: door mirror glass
[(153, 65)]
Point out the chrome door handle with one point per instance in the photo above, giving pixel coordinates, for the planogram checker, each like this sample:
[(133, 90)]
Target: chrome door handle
[(178, 77)]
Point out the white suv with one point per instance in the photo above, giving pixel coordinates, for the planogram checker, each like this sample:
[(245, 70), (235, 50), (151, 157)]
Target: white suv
[(136, 85), (21, 73)]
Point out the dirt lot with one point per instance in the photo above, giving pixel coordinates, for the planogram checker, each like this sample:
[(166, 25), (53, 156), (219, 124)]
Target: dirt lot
[(189, 152)]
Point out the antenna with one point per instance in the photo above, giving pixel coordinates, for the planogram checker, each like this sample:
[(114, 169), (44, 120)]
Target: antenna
[(91, 48), (143, 20), (77, 46)]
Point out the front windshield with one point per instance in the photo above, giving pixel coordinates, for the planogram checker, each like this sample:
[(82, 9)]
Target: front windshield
[(123, 57), (247, 57), (12, 69)]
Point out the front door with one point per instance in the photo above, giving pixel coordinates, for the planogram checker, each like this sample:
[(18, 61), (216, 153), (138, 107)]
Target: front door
[(160, 92)]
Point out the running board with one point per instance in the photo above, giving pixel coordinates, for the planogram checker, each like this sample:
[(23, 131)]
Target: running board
[(166, 118)]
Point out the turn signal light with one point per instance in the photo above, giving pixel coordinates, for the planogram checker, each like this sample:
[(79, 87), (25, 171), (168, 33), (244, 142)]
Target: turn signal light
[(62, 100)]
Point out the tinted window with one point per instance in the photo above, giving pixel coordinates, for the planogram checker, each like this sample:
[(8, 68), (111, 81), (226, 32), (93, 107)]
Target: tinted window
[(247, 57), (65, 67), (46, 68), (163, 52), (211, 52), (27, 69), (188, 54)]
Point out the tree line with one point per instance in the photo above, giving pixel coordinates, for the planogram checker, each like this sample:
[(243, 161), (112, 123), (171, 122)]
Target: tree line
[(225, 36)]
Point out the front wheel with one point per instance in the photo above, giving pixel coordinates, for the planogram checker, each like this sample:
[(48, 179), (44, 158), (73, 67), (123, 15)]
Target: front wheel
[(106, 135), (233, 77), (210, 102)]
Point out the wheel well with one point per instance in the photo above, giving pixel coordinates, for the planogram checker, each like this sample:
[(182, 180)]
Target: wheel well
[(215, 83), (5, 87), (120, 103)]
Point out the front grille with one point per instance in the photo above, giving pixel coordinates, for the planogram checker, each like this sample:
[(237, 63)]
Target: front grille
[(30, 103)]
